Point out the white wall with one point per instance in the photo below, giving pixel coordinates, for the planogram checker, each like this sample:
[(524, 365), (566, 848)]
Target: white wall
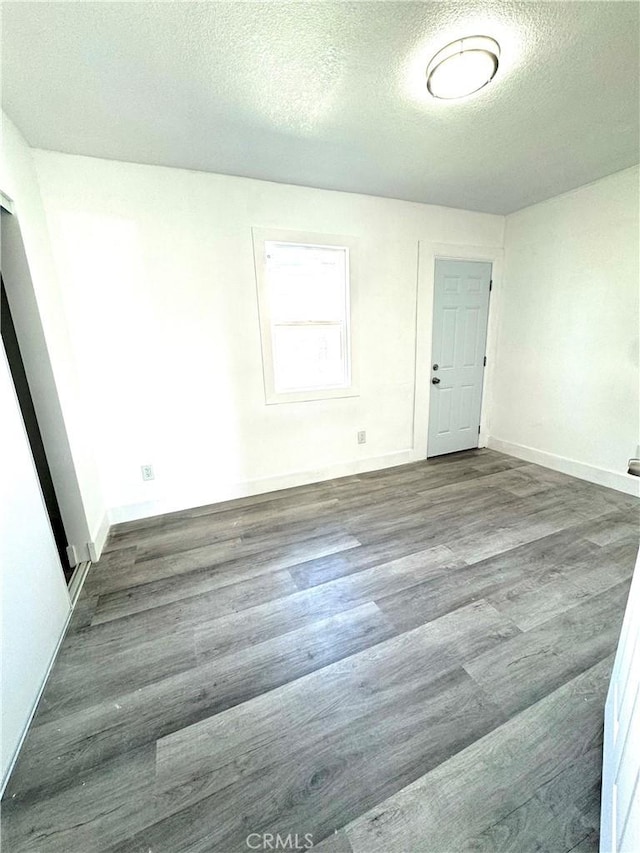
[(157, 286), (64, 418), (566, 381), (35, 604), (156, 266)]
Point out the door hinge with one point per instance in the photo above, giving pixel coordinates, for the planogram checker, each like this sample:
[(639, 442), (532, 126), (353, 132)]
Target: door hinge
[(484, 361), (478, 429), (491, 284)]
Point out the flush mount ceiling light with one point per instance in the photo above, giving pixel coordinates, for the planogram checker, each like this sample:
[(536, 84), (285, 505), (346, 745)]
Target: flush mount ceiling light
[(463, 67)]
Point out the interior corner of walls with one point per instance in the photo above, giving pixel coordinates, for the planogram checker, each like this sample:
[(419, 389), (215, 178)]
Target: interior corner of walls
[(619, 480), (484, 439)]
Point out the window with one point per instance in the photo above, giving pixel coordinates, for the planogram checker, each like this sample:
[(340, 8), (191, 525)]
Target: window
[(304, 296)]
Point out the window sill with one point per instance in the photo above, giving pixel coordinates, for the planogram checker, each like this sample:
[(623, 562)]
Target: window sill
[(272, 398)]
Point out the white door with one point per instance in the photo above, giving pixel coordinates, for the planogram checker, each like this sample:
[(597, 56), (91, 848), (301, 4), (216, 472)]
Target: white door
[(620, 814), (460, 314)]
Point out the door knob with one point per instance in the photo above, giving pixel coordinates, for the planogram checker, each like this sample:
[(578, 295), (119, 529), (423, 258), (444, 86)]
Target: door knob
[(435, 381)]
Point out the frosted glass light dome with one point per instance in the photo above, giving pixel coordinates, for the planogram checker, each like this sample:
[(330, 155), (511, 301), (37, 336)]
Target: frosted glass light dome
[(463, 67)]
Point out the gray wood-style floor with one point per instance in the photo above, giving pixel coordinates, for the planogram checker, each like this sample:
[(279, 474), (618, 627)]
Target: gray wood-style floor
[(414, 659)]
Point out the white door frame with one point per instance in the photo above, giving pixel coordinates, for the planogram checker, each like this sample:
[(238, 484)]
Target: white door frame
[(621, 717), (428, 253)]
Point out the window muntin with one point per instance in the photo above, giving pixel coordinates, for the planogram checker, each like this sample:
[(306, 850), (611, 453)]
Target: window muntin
[(308, 294), (305, 300)]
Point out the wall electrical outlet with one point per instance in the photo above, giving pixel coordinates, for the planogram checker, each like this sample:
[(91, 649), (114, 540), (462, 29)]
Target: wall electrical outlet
[(362, 436), (147, 472)]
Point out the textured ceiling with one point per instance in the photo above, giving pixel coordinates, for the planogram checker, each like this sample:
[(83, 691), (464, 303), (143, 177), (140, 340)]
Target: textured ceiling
[(332, 94)]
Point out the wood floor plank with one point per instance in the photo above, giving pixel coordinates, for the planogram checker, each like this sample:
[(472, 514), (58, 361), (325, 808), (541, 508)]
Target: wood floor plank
[(335, 843), (611, 565), (113, 565), (535, 600), (501, 521), (236, 631), (177, 541), (574, 795), (530, 564), (621, 524), (528, 479), (523, 520), (408, 495), (314, 572), (531, 664), (396, 660), (323, 783), (529, 603), (324, 569), (419, 486), (442, 471), (236, 561), (590, 844), (488, 780), (83, 612), (556, 818), (434, 518), (96, 664), (254, 518), (89, 670), (257, 733), (103, 807), (136, 717), (203, 590), (104, 579)]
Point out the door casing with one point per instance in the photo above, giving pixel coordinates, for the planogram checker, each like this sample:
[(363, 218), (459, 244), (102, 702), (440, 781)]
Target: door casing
[(42, 382), (32, 427), (428, 253), (464, 288), (620, 803)]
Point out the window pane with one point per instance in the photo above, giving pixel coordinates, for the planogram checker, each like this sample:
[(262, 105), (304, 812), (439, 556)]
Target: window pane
[(306, 283), (308, 356)]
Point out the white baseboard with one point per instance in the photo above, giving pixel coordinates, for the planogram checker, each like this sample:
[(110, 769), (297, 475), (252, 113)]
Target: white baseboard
[(618, 480), (132, 512), (99, 539)]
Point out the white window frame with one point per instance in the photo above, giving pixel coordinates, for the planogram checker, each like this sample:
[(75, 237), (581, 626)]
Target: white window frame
[(260, 237)]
